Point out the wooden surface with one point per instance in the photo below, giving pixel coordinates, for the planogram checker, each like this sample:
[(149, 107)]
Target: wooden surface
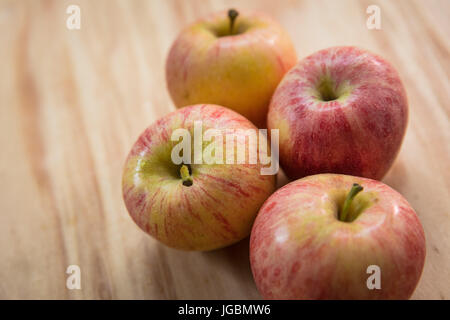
[(74, 101)]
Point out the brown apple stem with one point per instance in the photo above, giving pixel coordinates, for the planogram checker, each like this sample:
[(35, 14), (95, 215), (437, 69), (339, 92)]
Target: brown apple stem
[(232, 15), (186, 176), (356, 188)]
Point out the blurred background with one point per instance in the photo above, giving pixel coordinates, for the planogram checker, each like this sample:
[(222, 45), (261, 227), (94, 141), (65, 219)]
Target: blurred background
[(73, 101)]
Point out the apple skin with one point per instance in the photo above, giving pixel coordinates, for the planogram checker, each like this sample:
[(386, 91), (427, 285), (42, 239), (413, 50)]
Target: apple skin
[(217, 210), (239, 72), (300, 250), (359, 133)]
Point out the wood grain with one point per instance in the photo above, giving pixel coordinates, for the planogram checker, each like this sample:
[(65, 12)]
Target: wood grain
[(74, 101)]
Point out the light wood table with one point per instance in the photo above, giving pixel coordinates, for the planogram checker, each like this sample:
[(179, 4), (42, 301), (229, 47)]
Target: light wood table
[(72, 102)]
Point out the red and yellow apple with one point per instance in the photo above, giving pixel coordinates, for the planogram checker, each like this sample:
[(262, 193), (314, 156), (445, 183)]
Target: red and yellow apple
[(194, 206), (340, 110), (233, 60), (316, 238)]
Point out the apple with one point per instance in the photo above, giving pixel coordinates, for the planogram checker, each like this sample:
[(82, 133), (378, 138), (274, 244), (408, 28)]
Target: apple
[(233, 60), (340, 110), (322, 236), (193, 206)]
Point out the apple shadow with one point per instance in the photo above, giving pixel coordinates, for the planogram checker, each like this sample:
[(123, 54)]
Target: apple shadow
[(282, 179), (396, 176), (235, 260), (165, 273)]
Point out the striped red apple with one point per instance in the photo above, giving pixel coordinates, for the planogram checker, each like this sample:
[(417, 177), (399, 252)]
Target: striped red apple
[(194, 206), (230, 59), (322, 237), (340, 110)]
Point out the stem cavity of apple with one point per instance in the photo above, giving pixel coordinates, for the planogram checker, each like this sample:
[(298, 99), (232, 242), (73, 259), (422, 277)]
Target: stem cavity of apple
[(356, 188), (232, 15), (327, 90), (186, 176)]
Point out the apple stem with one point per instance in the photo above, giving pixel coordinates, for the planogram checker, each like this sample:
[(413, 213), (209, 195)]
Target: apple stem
[(232, 15), (356, 188), (186, 176)]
